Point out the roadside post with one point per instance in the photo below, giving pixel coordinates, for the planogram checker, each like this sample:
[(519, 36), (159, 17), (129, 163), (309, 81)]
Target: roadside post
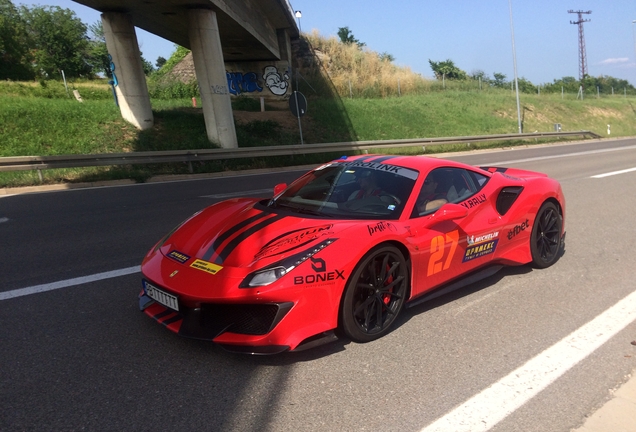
[(298, 107)]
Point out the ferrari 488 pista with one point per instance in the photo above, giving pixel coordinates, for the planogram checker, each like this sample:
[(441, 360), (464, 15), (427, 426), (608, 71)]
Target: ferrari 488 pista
[(343, 249)]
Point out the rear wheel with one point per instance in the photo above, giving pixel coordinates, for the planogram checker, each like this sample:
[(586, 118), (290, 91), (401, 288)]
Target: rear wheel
[(375, 294), (545, 242)]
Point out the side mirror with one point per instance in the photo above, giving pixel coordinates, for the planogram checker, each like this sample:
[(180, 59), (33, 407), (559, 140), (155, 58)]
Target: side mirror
[(448, 212), (279, 188)]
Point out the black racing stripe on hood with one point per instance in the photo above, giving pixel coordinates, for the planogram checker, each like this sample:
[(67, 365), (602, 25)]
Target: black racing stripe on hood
[(227, 250), (227, 234)]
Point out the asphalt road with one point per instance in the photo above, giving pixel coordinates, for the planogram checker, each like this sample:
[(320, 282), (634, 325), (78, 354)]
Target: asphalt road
[(83, 357)]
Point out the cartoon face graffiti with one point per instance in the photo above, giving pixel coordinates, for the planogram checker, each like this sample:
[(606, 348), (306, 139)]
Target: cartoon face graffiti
[(276, 83)]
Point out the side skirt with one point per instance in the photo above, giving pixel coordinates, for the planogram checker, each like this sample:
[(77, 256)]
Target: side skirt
[(445, 289)]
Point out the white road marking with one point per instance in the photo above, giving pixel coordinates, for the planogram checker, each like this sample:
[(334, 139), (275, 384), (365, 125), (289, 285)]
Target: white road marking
[(67, 283), (583, 153), (484, 410), (4, 219), (269, 191), (613, 173)]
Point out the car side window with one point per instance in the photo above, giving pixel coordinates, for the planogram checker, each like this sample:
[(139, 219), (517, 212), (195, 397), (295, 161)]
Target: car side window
[(434, 192), (447, 185)]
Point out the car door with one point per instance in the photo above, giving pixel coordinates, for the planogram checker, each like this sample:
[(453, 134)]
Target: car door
[(456, 235)]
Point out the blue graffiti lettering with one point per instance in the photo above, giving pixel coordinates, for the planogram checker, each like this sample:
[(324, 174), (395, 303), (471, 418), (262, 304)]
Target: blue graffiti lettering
[(112, 71), (242, 83)]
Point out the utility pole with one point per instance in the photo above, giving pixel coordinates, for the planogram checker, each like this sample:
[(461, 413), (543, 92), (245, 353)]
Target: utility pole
[(582, 55)]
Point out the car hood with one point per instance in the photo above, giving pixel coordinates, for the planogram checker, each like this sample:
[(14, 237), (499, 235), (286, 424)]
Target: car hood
[(240, 233)]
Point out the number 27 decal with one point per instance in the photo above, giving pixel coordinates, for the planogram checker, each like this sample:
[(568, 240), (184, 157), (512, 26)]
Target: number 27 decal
[(436, 262)]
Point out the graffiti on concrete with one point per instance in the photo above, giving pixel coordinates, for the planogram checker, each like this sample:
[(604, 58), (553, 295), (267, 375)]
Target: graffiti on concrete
[(250, 82), (219, 89), (242, 83), (114, 81), (276, 83)]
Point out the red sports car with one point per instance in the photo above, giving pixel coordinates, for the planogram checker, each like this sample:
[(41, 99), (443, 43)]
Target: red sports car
[(344, 248)]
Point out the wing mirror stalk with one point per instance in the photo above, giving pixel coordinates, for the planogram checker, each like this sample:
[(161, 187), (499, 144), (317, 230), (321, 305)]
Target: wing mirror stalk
[(447, 212)]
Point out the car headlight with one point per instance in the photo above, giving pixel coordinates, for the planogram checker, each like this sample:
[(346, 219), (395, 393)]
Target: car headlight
[(263, 277)]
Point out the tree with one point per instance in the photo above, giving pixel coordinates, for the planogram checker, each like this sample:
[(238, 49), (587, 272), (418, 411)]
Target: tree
[(58, 41), (385, 56), (525, 86), (478, 74), (147, 66), (160, 62), (346, 37), (98, 51), (447, 70), (500, 80), (15, 57)]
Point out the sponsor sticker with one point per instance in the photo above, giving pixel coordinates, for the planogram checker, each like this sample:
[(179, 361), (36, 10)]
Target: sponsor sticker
[(401, 171), (178, 256), (294, 239), (474, 201), (319, 266), (381, 227), (205, 266), (518, 228), (482, 238), (479, 246)]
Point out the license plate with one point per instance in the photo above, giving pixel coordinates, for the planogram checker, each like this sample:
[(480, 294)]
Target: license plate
[(161, 296)]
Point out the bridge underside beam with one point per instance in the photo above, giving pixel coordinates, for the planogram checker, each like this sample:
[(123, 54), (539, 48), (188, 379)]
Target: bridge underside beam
[(248, 28)]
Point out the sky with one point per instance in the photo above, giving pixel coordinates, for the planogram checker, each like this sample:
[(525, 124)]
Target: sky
[(475, 35)]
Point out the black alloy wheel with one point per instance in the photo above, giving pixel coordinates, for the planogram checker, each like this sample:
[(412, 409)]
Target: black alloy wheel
[(545, 242), (375, 294)]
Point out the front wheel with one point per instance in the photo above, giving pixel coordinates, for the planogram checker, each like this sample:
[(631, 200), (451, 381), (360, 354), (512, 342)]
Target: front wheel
[(545, 242), (375, 294)]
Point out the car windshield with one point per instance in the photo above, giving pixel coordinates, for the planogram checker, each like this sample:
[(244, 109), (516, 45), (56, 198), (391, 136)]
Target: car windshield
[(355, 190)]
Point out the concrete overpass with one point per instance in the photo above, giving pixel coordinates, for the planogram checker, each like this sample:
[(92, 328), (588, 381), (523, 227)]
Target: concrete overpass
[(253, 36)]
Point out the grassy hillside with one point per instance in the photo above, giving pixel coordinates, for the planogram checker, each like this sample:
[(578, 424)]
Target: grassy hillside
[(43, 119)]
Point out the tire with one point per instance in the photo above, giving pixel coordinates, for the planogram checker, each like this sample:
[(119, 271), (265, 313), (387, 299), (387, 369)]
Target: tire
[(375, 294), (545, 241)]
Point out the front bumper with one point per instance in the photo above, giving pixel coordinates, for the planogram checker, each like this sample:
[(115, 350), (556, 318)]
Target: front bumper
[(209, 321)]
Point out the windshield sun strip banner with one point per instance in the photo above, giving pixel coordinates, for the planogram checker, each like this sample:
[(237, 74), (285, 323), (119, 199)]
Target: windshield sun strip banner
[(394, 169)]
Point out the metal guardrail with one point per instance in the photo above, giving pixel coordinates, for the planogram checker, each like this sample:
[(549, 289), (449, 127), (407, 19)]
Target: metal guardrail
[(24, 163)]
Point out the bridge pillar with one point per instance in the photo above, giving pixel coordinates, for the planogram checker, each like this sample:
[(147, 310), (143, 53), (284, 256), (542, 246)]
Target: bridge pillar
[(128, 74), (205, 43)]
